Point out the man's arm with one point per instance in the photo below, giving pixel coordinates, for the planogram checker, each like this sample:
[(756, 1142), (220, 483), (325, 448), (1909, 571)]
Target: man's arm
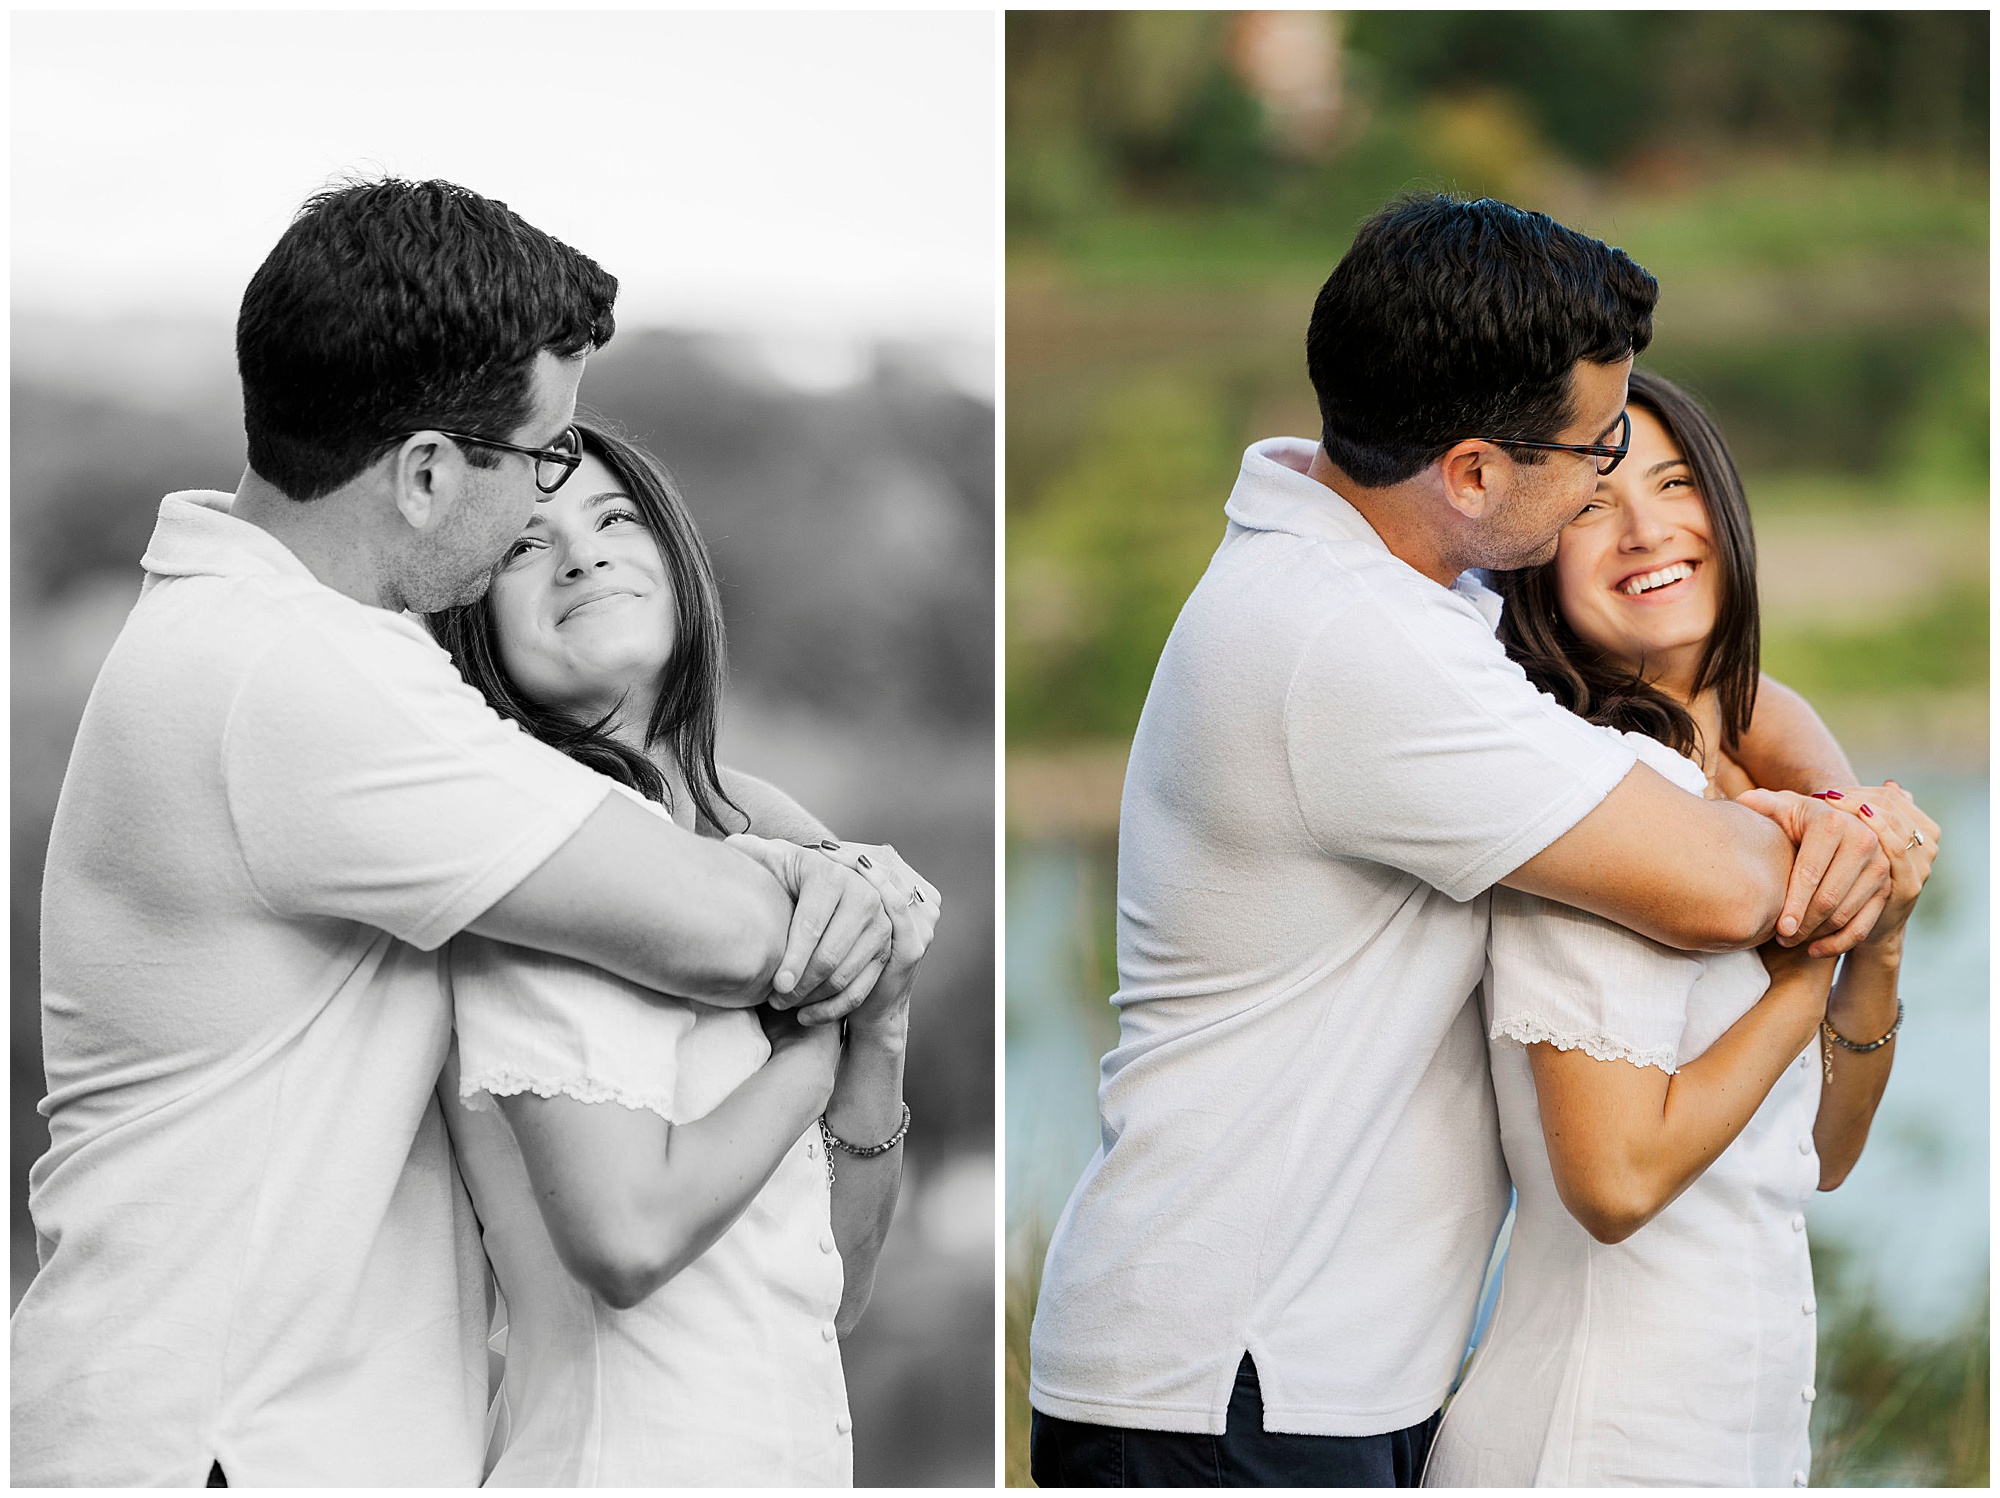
[(1787, 747), (635, 895), (1711, 875), (772, 813)]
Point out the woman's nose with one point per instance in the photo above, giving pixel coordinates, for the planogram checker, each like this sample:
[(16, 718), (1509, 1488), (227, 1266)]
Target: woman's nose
[(582, 555), (1645, 528)]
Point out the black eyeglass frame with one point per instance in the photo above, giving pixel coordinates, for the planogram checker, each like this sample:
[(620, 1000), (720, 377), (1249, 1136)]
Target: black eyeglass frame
[(569, 461), (1615, 454)]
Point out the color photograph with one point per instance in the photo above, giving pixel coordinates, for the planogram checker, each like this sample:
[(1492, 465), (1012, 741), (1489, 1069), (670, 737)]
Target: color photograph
[(1376, 1064)]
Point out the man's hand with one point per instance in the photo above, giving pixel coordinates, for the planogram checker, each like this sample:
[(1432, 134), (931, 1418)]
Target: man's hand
[(1840, 875), (838, 941)]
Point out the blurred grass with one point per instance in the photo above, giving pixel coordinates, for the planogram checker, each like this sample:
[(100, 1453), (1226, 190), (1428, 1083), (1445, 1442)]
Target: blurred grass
[(1771, 214), (1896, 1411), (1941, 646)]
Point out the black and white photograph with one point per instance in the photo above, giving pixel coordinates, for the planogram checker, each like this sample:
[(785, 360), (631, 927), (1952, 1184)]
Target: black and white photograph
[(503, 738)]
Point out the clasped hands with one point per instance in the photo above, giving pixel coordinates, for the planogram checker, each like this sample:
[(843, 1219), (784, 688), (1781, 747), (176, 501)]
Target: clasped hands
[(1858, 868), (862, 919)]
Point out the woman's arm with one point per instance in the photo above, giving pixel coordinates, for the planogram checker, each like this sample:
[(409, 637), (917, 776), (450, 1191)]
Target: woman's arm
[(631, 1200), (1864, 1003), (1626, 1140), (772, 813), (867, 1103), (1787, 747)]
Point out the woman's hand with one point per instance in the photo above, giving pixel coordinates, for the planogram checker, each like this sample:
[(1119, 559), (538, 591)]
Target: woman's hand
[(1908, 837), (816, 1043), (913, 905), (839, 938), (1840, 876)]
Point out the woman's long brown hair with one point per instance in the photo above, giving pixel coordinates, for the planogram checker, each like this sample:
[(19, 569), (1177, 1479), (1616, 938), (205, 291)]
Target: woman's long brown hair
[(1579, 676), (690, 700)]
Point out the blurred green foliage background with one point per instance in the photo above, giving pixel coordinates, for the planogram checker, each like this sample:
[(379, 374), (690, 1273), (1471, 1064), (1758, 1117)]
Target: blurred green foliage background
[(1810, 188)]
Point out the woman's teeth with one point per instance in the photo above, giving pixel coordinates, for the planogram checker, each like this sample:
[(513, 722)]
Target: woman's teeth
[(1652, 580)]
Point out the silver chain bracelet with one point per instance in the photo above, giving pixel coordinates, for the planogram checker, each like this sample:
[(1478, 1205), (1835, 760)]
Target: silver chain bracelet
[(860, 1151)]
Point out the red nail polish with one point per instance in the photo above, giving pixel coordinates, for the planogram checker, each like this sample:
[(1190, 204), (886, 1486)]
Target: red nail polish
[(1820, 795), (862, 858), (1833, 795), (1867, 810)]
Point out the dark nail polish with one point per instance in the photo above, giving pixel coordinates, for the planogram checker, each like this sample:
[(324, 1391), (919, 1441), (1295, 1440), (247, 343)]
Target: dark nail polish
[(1834, 796), (829, 845), (862, 858), (1820, 795), (1867, 810)]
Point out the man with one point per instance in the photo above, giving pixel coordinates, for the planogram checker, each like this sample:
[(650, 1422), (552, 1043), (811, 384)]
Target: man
[(257, 1262), (1268, 1272)]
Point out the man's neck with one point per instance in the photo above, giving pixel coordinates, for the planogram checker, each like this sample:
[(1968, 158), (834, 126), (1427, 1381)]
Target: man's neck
[(327, 534), (1395, 514)]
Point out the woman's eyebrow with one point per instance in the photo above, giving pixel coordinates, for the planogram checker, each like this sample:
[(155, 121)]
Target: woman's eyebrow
[(1664, 465)]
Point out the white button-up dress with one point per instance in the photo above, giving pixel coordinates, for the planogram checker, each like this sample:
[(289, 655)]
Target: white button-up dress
[(1683, 1355), (729, 1374)]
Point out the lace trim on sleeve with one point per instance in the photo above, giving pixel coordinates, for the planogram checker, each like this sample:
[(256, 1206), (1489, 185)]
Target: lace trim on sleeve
[(1529, 1030), (478, 1092)]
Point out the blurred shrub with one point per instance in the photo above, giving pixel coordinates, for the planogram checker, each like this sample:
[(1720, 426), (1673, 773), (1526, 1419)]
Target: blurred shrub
[(1099, 567)]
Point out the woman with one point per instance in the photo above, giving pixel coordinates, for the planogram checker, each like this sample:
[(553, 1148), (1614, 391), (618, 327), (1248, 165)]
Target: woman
[(682, 1204), (1665, 1115)]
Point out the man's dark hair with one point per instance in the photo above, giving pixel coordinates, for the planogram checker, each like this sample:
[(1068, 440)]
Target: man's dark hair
[(392, 306), (1447, 320)]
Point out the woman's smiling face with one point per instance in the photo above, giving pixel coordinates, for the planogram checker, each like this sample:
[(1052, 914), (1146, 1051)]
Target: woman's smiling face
[(583, 610), (1634, 572)]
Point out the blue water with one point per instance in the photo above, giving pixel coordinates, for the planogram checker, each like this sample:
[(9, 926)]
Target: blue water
[(1913, 1215)]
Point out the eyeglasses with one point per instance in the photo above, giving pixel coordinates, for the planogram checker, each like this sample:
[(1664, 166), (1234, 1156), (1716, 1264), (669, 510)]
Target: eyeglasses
[(1609, 457), (553, 465)]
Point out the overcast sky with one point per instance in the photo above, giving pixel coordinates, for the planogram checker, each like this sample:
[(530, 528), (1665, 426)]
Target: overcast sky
[(820, 174)]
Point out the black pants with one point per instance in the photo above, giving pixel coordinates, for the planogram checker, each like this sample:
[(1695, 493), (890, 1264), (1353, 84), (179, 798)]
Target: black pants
[(1069, 1454)]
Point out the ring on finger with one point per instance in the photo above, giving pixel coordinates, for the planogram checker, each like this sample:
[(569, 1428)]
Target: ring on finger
[(1916, 840), (916, 897)]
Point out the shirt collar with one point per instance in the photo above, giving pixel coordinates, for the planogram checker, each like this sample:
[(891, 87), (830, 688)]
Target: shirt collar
[(1274, 492), (196, 536)]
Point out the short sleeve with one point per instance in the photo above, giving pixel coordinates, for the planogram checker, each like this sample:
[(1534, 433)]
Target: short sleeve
[(1580, 982), (367, 781), (1414, 742), (528, 1021)]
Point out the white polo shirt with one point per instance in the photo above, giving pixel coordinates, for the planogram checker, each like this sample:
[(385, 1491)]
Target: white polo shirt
[(1300, 1155), (254, 1244)]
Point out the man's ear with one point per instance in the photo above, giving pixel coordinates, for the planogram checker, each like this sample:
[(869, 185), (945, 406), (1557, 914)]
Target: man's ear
[(1473, 477), (426, 476)]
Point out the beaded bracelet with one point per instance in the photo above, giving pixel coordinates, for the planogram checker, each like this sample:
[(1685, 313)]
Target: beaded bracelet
[(864, 1152), (1861, 1047)]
